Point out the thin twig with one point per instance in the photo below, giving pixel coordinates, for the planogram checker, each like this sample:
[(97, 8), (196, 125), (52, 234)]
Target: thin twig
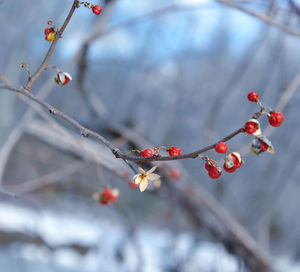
[(56, 176), (58, 35), (262, 17)]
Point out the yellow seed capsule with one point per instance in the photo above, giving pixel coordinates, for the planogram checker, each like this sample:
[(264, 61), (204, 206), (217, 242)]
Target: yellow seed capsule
[(50, 36)]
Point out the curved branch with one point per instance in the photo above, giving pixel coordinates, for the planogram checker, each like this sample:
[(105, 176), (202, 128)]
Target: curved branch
[(118, 154)]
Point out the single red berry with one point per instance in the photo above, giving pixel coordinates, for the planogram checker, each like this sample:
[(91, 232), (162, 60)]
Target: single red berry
[(175, 174), (97, 9), (276, 118), (210, 164), (263, 146), (251, 127), (253, 96), (133, 185), (148, 152), (229, 170), (174, 151), (214, 172), (221, 147)]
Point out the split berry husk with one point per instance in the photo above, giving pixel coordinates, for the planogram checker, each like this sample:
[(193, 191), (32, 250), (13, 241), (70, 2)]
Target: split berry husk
[(237, 159), (49, 34), (253, 96), (97, 9), (174, 151), (252, 127), (276, 118), (232, 161), (229, 170), (50, 37), (62, 78), (261, 144), (209, 164), (221, 147)]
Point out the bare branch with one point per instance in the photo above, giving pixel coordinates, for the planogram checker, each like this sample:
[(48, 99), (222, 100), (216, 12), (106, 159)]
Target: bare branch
[(86, 132)]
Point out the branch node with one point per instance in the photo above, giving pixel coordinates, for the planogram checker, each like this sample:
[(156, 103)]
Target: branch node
[(116, 153), (52, 110), (84, 133)]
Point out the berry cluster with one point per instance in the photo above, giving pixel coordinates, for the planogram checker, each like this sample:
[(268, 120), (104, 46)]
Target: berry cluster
[(275, 117), (260, 142), (232, 160), (108, 196)]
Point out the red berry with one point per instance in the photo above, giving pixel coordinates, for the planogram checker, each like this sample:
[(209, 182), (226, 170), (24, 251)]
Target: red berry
[(175, 174), (229, 170), (253, 96), (210, 164), (221, 147), (133, 185), (276, 118), (214, 172), (251, 127), (174, 151), (97, 9), (148, 152)]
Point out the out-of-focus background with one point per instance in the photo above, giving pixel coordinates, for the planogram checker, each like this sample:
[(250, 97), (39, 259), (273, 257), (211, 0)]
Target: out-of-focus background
[(150, 73)]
